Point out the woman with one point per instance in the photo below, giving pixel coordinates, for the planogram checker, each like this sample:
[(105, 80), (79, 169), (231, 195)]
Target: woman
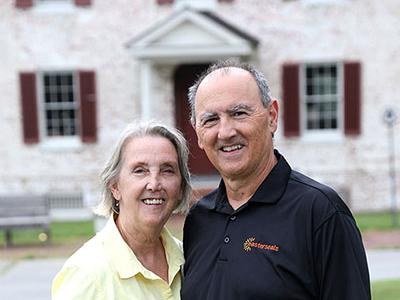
[(134, 256)]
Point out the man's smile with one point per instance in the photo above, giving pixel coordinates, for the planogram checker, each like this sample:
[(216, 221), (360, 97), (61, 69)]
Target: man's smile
[(231, 148)]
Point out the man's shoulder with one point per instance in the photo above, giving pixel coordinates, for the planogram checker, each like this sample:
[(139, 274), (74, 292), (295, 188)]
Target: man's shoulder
[(206, 202), (312, 189)]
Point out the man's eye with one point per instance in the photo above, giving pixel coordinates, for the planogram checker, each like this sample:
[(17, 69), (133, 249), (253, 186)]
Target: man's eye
[(239, 113), (210, 121)]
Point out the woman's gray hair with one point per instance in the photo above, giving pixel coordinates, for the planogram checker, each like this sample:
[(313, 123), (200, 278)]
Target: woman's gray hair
[(227, 65), (113, 166)]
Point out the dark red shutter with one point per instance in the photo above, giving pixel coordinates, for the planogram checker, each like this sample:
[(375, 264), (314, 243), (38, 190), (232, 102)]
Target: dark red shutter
[(161, 2), (23, 3), (29, 107), (291, 96), (352, 98), (87, 83), (83, 2)]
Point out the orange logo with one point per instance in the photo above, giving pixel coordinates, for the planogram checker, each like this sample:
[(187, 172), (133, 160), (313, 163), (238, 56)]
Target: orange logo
[(251, 243)]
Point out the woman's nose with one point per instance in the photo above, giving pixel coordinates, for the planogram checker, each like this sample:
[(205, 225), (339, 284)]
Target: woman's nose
[(153, 183)]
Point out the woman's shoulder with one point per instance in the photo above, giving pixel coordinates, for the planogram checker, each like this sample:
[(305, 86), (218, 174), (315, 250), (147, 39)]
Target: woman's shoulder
[(90, 256)]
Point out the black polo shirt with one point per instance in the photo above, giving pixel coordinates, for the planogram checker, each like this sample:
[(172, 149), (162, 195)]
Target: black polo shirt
[(294, 239)]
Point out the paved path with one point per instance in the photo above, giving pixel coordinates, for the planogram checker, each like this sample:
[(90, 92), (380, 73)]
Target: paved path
[(28, 279), (31, 279), (384, 264)]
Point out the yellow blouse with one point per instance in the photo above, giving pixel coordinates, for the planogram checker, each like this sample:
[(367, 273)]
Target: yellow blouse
[(106, 268)]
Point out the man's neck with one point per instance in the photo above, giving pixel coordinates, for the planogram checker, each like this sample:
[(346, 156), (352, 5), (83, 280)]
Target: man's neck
[(240, 189)]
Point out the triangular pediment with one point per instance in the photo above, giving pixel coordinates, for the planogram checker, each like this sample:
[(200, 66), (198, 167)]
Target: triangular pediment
[(190, 33)]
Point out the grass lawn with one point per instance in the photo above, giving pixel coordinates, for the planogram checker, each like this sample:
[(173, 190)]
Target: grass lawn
[(64, 232), (61, 232), (386, 290), (376, 221)]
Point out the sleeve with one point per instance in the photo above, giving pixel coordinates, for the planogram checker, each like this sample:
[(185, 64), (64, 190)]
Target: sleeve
[(71, 283), (340, 260)]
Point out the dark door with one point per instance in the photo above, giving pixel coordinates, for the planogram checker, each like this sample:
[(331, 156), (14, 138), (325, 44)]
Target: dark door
[(185, 76)]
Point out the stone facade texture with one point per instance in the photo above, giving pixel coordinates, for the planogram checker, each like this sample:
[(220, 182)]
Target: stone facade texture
[(46, 38)]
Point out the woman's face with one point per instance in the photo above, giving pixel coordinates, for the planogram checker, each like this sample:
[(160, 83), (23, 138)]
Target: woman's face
[(148, 187)]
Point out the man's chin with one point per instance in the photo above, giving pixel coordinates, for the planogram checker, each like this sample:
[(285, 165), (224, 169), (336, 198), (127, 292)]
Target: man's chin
[(230, 172)]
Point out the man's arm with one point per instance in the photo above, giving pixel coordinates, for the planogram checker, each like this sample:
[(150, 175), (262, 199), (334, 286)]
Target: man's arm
[(340, 260)]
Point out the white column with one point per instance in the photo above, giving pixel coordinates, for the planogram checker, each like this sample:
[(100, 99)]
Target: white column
[(146, 74)]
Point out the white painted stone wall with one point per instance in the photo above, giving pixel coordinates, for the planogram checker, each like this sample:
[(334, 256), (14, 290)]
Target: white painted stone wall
[(299, 31)]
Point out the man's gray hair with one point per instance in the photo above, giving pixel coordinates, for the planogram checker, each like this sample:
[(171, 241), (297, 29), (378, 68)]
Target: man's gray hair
[(113, 166), (227, 65)]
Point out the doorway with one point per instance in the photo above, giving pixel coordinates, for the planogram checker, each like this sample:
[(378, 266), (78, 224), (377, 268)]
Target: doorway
[(184, 77)]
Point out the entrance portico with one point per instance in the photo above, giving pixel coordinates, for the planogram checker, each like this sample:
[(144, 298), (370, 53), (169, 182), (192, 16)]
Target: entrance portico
[(184, 44)]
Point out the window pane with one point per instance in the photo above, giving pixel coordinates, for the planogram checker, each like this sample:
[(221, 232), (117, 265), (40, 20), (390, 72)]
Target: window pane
[(321, 97), (60, 104)]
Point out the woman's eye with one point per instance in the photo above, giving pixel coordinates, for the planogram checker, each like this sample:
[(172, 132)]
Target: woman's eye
[(169, 171), (138, 171)]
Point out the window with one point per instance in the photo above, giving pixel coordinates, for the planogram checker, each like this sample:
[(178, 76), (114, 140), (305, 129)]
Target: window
[(321, 98), (60, 105), (49, 1), (322, 101), (192, 3), (25, 4)]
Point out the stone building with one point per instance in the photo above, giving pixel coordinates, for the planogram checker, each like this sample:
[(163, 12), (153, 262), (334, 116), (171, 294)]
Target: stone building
[(75, 72)]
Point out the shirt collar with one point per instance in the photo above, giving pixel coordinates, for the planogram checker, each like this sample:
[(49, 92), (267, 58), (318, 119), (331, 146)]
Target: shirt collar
[(270, 190), (125, 261)]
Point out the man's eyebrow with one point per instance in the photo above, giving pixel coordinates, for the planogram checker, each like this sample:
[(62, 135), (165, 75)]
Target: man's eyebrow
[(240, 107)]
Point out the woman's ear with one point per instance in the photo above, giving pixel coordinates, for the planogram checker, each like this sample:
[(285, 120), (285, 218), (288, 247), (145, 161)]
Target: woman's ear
[(115, 191)]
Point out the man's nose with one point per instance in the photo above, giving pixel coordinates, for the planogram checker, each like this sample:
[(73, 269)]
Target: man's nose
[(226, 129)]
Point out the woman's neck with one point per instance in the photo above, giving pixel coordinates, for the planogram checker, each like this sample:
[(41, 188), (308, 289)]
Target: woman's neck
[(147, 247)]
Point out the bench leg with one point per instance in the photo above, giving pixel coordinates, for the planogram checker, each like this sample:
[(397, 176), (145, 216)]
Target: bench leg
[(48, 235), (8, 238)]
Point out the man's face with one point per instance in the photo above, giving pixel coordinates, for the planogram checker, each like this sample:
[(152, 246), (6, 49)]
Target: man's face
[(232, 125)]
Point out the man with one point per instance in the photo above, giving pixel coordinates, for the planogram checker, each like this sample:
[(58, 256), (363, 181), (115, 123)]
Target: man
[(267, 232)]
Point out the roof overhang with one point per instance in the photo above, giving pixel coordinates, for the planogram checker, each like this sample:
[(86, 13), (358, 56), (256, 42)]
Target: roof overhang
[(192, 35)]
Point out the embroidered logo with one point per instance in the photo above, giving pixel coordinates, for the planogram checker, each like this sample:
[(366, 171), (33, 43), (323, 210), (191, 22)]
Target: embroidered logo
[(251, 243)]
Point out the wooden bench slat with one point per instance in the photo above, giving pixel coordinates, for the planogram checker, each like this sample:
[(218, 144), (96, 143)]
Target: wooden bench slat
[(23, 221), (23, 211)]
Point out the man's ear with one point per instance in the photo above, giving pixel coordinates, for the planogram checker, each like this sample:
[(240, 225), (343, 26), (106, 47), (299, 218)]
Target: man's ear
[(199, 143), (273, 113)]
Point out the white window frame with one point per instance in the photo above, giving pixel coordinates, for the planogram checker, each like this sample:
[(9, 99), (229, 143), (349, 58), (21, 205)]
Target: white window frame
[(322, 134), (53, 6), (57, 142)]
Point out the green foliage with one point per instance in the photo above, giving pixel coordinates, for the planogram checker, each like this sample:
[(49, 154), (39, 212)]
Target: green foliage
[(60, 232), (386, 290), (375, 221)]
